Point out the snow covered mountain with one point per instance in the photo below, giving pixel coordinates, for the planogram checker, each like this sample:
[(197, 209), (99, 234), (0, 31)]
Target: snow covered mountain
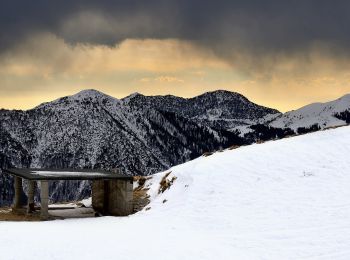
[(317, 115), (91, 129), (219, 109), (142, 134), (94, 130), (284, 199)]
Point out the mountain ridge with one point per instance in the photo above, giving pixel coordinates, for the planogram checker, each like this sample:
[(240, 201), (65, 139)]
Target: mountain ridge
[(140, 134), (94, 130)]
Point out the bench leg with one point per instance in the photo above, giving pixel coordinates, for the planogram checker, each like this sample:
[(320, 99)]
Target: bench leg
[(44, 195), (18, 193), (31, 189)]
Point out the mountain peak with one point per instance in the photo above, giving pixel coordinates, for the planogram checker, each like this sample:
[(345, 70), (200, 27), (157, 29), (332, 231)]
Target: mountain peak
[(92, 95), (88, 93), (221, 92), (223, 95), (131, 96)]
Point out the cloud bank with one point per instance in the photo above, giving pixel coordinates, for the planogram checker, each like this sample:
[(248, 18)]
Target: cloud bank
[(282, 54), (224, 26)]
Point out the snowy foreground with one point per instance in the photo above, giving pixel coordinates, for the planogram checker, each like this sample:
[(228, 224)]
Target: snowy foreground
[(287, 199)]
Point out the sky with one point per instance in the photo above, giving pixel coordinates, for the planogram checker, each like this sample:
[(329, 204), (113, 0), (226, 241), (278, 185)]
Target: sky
[(281, 54)]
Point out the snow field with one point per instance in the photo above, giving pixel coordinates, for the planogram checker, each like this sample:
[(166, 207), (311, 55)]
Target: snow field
[(285, 199)]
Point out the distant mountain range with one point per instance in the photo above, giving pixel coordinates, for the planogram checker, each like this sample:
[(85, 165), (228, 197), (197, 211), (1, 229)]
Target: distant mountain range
[(142, 134)]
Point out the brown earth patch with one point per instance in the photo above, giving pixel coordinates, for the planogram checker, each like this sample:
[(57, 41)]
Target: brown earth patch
[(6, 214), (165, 183), (206, 154), (233, 147), (140, 196)]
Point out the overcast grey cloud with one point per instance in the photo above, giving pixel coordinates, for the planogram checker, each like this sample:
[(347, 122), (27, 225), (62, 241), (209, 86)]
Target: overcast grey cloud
[(259, 26), (269, 50)]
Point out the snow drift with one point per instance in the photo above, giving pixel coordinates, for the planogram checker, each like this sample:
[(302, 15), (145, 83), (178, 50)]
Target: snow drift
[(285, 199)]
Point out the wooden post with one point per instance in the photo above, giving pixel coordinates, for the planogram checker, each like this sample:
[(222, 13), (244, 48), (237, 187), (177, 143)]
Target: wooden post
[(18, 193), (31, 189), (44, 196)]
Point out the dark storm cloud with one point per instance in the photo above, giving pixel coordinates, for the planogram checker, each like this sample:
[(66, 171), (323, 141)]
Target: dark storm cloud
[(258, 26)]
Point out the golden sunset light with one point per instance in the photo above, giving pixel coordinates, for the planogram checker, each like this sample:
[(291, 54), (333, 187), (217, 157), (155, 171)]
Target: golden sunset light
[(45, 67)]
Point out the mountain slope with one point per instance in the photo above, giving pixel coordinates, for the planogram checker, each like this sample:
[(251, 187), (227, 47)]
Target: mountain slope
[(286, 199), (93, 130), (12, 154), (219, 109), (142, 135), (333, 113)]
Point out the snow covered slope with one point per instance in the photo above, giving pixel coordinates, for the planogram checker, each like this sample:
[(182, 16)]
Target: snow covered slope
[(324, 114), (285, 199)]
